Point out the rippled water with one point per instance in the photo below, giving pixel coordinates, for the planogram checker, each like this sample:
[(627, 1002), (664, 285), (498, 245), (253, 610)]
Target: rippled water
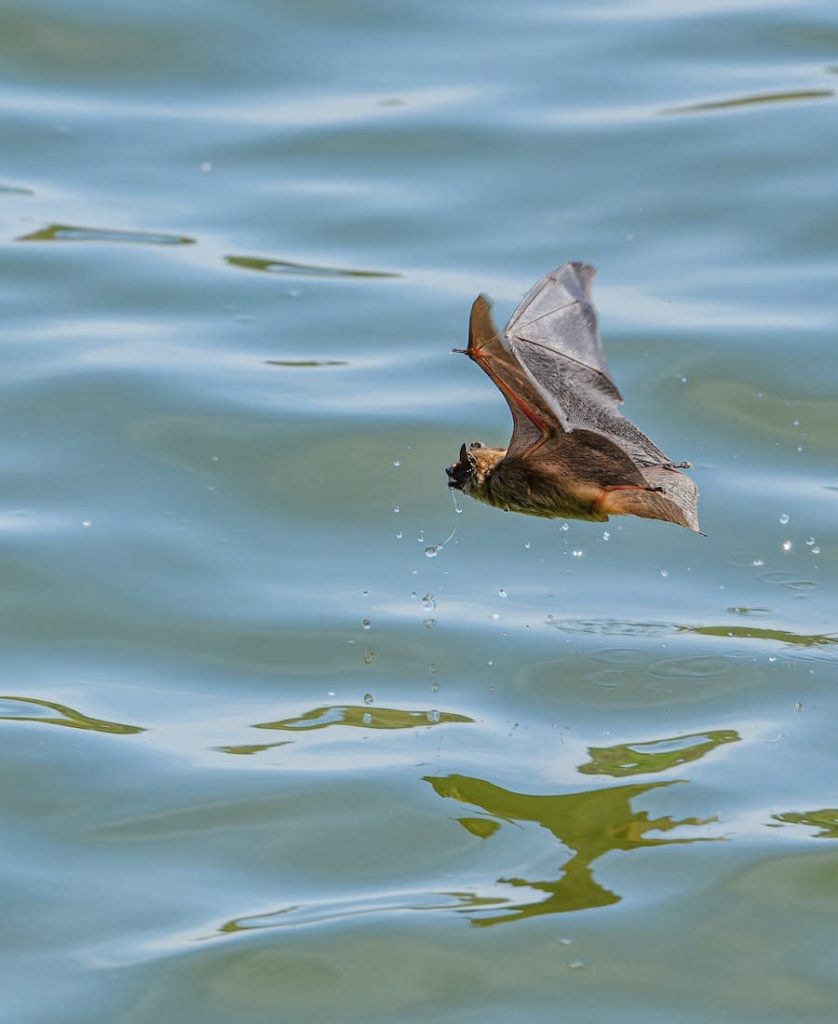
[(276, 744)]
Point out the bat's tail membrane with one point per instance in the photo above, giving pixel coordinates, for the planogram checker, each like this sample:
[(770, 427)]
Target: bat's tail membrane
[(672, 500)]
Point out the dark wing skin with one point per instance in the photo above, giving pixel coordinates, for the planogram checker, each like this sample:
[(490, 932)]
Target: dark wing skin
[(555, 336), (551, 368)]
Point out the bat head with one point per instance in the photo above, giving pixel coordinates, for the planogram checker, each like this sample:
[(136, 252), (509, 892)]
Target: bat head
[(461, 474)]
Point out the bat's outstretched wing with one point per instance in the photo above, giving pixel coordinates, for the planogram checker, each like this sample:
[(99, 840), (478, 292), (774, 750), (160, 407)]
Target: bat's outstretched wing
[(532, 415), (555, 338)]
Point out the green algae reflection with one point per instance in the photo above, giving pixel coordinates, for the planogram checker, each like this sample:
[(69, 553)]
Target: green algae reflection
[(826, 821), (590, 824), (76, 233), (656, 755), (272, 266), (30, 709), (363, 717)]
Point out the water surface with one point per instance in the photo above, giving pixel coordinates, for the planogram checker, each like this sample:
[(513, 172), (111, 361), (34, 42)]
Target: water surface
[(277, 745)]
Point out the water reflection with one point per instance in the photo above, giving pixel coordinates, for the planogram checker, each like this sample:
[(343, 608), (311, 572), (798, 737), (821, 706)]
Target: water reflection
[(305, 363), (624, 759), (758, 99), (783, 636), (363, 716), (590, 824), (270, 266), (251, 748), (30, 709), (72, 233), (825, 820)]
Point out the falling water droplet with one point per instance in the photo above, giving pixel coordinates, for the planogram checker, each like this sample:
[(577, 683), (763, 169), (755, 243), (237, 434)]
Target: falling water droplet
[(399, 535), (810, 542), (397, 463), (815, 550), (784, 518), (606, 535), (565, 527), (527, 545), (366, 718), (664, 572), (429, 623), (433, 715), (577, 553), (787, 545), (429, 602), (365, 623), (432, 550), (502, 592), (396, 508), (369, 656), (368, 698)]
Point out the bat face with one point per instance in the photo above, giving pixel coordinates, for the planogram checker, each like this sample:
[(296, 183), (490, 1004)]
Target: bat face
[(461, 474), (572, 454)]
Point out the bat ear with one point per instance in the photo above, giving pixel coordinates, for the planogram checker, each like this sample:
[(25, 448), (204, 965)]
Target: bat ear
[(463, 453)]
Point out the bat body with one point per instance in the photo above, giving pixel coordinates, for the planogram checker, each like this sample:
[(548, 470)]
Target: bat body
[(572, 454)]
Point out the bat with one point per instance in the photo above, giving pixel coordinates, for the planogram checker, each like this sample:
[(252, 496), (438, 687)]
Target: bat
[(572, 454)]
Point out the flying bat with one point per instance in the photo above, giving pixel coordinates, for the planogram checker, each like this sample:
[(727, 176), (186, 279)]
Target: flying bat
[(573, 454)]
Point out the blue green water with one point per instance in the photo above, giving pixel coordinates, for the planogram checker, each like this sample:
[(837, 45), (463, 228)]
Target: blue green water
[(263, 757)]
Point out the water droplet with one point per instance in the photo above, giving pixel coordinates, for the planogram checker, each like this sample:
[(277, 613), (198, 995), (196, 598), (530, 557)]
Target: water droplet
[(758, 561), (683, 380), (429, 623), (397, 463), (577, 553), (576, 965), (432, 551), (434, 687), (502, 592), (366, 718), (87, 523), (490, 662), (815, 550), (429, 602), (433, 715), (368, 698), (331, 693), (784, 518), (606, 535), (527, 545), (432, 668), (214, 458), (565, 527), (369, 656), (399, 535), (664, 572), (798, 706), (565, 942), (495, 616), (365, 623), (810, 542), (364, 593), (795, 423), (206, 167), (772, 658), (787, 545), (396, 508)]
